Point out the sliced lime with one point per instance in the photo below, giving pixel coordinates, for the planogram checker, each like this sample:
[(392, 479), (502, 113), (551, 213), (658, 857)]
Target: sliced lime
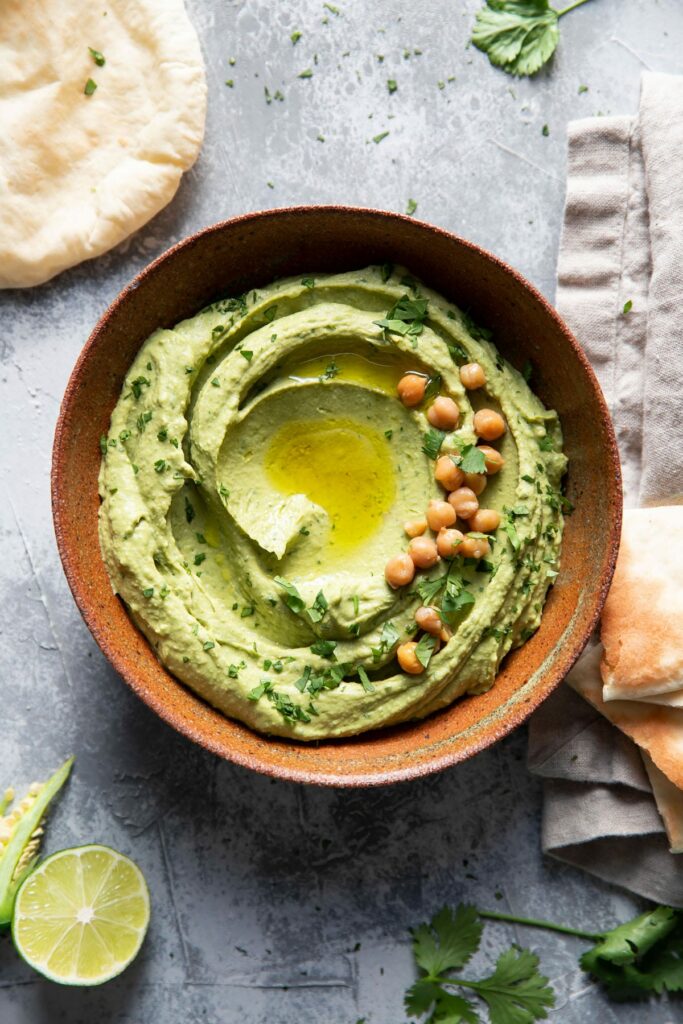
[(80, 918)]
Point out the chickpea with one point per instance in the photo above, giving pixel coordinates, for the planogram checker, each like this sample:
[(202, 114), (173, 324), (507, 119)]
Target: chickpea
[(486, 520), (440, 514), (464, 501), (423, 552), (407, 658), (476, 482), (415, 527), (448, 474), (472, 376), (411, 389), (448, 543), (428, 618), (475, 547), (489, 424), (399, 571), (494, 460), (443, 413)]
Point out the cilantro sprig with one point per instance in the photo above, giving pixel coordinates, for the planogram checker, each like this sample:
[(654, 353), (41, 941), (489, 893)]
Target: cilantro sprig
[(519, 36), (515, 993), (406, 317), (633, 960)]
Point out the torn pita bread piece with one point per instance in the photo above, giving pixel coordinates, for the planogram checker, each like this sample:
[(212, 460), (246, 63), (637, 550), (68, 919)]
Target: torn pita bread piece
[(102, 108), (642, 621), (657, 730), (669, 800)]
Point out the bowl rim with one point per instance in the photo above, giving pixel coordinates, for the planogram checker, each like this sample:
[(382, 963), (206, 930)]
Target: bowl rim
[(520, 710)]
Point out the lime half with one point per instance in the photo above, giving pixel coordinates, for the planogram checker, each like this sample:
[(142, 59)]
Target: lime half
[(81, 916)]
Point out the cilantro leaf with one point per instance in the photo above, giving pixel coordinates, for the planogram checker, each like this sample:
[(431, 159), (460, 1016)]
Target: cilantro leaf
[(292, 597), (432, 441), (516, 993), (325, 648), (456, 597), (511, 530), (473, 460), (448, 941), (319, 607), (425, 649), (365, 680), (406, 317), (428, 589), (433, 386), (519, 36)]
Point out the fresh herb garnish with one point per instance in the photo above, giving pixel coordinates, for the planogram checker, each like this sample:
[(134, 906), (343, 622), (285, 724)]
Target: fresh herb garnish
[(199, 558), (308, 282), (319, 607), (425, 649), (406, 317), (546, 444), (379, 137), (472, 460), (519, 36), (388, 639), (292, 597), (516, 993), (90, 87), (391, 85), (365, 680), (628, 306), (330, 371), (411, 207), (305, 74), (433, 387), (189, 510), (324, 648), (137, 385), (295, 37), (432, 441), (510, 529), (247, 354), (97, 57)]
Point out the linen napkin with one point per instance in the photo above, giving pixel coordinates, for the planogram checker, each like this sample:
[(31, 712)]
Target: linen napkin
[(620, 289)]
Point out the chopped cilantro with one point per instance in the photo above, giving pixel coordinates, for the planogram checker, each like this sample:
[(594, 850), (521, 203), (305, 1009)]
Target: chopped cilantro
[(308, 282), (432, 441), (411, 207), (425, 649), (433, 387), (199, 558), (247, 354), (472, 460), (97, 57), (295, 37), (319, 607), (406, 317), (90, 87), (324, 648), (628, 306), (305, 74), (365, 680), (292, 597), (391, 85), (379, 137)]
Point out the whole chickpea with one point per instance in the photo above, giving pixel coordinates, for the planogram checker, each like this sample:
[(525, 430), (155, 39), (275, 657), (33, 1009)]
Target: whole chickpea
[(489, 424), (423, 552), (472, 376), (448, 543), (428, 618), (447, 473), (494, 460), (486, 520), (475, 547), (407, 658), (415, 527), (399, 571), (476, 482), (443, 413), (411, 389), (464, 501), (440, 514)]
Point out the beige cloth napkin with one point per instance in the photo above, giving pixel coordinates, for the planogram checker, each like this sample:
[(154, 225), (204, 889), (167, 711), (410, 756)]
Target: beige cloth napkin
[(622, 248)]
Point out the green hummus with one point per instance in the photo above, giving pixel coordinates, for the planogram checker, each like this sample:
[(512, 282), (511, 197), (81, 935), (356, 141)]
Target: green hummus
[(256, 478)]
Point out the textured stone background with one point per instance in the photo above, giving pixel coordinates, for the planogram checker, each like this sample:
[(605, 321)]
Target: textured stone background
[(261, 891)]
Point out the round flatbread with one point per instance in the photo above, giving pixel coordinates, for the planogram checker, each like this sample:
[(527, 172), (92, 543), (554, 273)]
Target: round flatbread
[(102, 108)]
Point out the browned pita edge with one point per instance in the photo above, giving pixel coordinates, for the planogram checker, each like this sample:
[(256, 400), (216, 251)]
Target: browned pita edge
[(657, 730), (669, 801), (642, 621)]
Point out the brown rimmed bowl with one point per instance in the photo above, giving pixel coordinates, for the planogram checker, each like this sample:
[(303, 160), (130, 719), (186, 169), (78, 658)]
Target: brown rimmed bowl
[(236, 255)]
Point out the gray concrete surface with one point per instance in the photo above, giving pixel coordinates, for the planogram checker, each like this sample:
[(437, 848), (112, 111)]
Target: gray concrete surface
[(275, 902)]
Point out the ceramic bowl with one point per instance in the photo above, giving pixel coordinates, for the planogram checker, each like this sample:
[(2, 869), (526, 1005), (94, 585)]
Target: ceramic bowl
[(236, 255)]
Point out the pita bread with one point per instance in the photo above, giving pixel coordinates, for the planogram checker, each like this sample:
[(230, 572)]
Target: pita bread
[(79, 173), (669, 803), (642, 621), (657, 730)]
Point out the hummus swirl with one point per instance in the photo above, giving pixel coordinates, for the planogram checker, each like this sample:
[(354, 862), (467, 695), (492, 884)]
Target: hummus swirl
[(257, 474)]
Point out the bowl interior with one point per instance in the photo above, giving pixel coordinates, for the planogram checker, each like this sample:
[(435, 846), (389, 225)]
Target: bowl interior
[(229, 258)]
